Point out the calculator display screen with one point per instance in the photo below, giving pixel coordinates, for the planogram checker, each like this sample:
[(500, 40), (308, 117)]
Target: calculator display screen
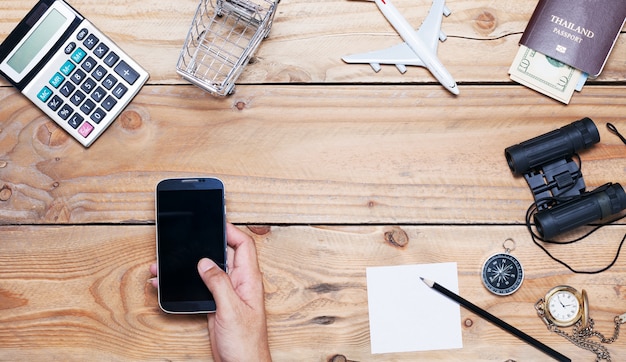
[(37, 40)]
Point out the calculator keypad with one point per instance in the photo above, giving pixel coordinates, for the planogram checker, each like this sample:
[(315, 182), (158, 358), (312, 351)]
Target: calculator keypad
[(88, 84)]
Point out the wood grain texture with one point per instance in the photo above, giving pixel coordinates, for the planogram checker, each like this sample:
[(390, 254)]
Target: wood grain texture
[(309, 38), (301, 154), (80, 292), (338, 167)]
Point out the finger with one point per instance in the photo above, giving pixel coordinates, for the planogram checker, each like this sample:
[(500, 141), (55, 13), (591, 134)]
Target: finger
[(230, 256), (213, 337), (245, 249), (153, 271), (218, 283)]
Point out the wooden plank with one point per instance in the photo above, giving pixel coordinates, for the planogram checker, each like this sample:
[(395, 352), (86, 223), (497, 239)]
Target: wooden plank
[(300, 154), (306, 139), (80, 292), (308, 39)]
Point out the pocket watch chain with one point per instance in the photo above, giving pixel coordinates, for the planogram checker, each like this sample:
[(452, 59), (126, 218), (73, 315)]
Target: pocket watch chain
[(580, 336)]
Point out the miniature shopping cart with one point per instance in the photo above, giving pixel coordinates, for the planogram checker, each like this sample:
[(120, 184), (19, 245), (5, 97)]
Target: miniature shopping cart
[(222, 39)]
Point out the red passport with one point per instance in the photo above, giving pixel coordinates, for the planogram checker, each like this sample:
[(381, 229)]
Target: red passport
[(579, 33)]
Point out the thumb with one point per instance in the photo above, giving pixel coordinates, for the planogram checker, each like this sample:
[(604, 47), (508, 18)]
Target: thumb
[(217, 281)]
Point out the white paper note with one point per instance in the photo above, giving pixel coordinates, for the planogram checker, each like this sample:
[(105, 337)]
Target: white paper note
[(406, 315)]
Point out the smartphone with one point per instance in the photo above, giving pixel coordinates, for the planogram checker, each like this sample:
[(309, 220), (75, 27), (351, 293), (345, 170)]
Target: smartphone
[(191, 225)]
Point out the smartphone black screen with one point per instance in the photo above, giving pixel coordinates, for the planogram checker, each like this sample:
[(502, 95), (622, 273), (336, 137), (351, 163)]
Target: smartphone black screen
[(190, 226)]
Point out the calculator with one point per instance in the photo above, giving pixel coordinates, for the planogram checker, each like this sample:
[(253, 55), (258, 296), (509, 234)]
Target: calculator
[(69, 69)]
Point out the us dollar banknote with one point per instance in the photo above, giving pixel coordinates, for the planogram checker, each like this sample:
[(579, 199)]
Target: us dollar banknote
[(545, 75)]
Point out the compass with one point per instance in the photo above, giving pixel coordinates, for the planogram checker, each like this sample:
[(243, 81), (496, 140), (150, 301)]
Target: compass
[(502, 273)]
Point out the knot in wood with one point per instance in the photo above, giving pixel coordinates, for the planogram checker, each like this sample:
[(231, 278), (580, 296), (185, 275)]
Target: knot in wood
[(323, 320), (324, 288), (396, 236), (338, 358), (468, 322), (51, 135), (131, 120), (241, 105), (5, 193), (260, 229), (485, 22)]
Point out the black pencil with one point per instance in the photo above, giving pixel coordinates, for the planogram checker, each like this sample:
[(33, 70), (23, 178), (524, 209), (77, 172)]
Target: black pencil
[(497, 321)]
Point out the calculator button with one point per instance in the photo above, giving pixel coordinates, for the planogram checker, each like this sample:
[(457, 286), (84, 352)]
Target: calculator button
[(111, 59), (55, 103), (87, 107), (85, 129), (101, 50), (91, 41), (75, 120), (98, 115), (65, 112), (67, 89), (109, 103), (99, 73), (44, 94), (127, 72), (88, 86), (70, 48), (119, 91), (109, 82), (82, 34), (77, 98), (67, 68), (57, 80), (78, 55), (98, 94), (78, 76), (89, 64)]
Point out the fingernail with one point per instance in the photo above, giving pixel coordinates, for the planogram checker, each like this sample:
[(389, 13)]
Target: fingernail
[(205, 264)]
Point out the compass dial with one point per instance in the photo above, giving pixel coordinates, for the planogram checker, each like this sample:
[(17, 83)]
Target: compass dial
[(502, 274)]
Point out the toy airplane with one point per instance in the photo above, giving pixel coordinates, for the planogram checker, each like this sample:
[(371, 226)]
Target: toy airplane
[(419, 47)]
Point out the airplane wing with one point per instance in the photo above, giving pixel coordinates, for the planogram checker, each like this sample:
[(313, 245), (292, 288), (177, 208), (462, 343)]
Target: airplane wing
[(430, 30), (397, 54), (401, 55)]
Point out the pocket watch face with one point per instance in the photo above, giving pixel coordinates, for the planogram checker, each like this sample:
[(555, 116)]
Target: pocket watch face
[(502, 274), (564, 306)]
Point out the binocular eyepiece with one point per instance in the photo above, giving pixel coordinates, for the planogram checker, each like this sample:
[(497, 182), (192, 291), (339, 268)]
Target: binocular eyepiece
[(556, 181)]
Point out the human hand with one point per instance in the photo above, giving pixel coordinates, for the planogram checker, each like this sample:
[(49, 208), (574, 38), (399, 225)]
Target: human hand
[(238, 328)]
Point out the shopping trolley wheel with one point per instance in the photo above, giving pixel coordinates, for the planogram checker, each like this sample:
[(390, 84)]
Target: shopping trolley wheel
[(218, 8)]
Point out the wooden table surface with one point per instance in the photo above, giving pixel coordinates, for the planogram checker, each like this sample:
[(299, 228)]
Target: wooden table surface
[(332, 168)]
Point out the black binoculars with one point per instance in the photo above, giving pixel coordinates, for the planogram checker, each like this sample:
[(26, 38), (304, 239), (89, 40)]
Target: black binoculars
[(557, 183)]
